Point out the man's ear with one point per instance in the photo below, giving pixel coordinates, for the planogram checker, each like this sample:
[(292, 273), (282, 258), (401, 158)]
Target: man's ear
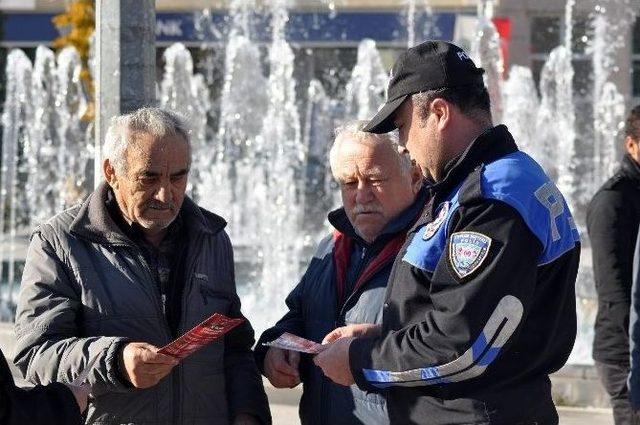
[(109, 174), (442, 110), (632, 147)]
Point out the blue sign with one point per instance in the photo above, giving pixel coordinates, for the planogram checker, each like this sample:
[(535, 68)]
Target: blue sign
[(341, 27)]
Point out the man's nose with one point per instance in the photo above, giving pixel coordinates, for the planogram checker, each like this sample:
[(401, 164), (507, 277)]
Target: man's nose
[(363, 193), (163, 194)]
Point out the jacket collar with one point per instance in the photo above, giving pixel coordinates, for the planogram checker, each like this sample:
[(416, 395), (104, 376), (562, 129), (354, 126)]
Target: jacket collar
[(94, 222), (630, 169), (492, 144), (339, 220)]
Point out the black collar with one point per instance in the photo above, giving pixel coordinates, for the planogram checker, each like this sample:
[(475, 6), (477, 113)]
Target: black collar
[(630, 169), (492, 144)]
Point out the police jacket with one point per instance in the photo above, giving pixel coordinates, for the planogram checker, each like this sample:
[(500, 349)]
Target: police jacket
[(613, 217), (342, 261), (480, 305), (53, 404)]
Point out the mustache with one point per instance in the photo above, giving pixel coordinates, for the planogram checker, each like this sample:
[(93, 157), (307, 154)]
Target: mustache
[(161, 205), (364, 209)]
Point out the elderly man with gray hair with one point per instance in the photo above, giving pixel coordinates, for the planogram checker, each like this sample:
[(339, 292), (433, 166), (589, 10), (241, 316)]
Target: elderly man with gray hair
[(131, 268), (342, 291)]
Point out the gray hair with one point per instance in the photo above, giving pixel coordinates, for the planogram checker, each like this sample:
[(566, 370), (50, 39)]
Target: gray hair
[(352, 131), (149, 120)]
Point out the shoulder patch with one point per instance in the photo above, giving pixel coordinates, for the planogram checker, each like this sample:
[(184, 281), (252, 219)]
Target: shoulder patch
[(431, 228), (467, 252)]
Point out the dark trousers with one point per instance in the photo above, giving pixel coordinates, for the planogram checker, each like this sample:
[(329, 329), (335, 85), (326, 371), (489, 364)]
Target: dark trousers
[(614, 379)]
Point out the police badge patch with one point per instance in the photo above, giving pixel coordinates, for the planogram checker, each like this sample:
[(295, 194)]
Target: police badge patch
[(431, 228), (467, 251)]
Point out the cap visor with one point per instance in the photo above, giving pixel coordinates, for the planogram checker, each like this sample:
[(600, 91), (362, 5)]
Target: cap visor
[(382, 122)]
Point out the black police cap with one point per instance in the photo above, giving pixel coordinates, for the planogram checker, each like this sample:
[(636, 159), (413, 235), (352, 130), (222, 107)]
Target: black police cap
[(431, 65)]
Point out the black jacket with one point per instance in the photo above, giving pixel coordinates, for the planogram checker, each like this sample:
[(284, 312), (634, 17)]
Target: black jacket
[(613, 217), (53, 404), (480, 305), (314, 311)]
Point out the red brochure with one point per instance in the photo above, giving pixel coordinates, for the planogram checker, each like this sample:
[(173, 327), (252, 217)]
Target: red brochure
[(288, 341), (209, 330)]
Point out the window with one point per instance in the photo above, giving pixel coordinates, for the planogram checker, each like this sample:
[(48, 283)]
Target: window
[(547, 33)]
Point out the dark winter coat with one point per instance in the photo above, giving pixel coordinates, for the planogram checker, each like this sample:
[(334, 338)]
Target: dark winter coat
[(86, 289), (613, 217), (315, 310)]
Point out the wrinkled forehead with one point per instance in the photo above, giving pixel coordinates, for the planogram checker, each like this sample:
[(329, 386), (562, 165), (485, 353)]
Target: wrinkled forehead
[(366, 157), (148, 151)]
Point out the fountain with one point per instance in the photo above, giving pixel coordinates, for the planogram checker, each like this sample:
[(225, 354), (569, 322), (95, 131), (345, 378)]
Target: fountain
[(487, 54), (260, 145)]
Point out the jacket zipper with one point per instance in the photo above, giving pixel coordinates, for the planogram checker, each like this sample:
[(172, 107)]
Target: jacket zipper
[(158, 299), (177, 393), (342, 309)]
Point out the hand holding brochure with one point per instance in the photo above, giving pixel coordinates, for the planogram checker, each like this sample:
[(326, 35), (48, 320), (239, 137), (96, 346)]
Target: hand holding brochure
[(209, 330), (288, 341)]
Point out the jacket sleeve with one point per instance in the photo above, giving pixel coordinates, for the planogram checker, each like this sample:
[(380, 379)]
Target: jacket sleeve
[(610, 224), (245, 391), (634, 332), (471, 319), (53, 404), (49, 343), (292, 322)]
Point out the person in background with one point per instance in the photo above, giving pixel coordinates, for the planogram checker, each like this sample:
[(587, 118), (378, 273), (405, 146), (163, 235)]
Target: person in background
[(613, 217)]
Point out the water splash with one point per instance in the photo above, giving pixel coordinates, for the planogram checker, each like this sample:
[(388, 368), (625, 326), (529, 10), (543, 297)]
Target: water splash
[(521, 105), (488, 55), (568, 24), (41, 150), (556, 121), (71, 106), (610, 113), (187, 94), (323, 114), (611, 22), (366, 87), (411, 23), (243, 98), (17, 115), (278, 182)]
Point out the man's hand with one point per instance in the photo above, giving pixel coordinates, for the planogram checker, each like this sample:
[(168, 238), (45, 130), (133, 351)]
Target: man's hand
[(81, 393), (357, 331), (143, 366), (334, 362), (281, 367), (245, 419)]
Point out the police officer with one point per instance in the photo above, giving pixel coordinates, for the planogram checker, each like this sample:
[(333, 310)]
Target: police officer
[(480, 305)]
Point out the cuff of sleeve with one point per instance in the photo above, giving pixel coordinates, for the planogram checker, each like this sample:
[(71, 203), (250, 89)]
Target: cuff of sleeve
[(115, 373), (260, 351), (360, 351)]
